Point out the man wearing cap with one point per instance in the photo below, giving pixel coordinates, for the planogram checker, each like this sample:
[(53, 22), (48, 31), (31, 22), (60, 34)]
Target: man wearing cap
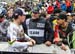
[(18, 40), (62, 30), (37, 28), (69, 17)]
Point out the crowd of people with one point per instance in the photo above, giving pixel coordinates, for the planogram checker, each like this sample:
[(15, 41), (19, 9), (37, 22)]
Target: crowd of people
[(26, 24)]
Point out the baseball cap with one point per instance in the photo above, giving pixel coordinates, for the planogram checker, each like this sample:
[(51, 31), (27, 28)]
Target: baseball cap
[(2, 12), (68, 14), (35, 10), (19, 11), (62, 16)]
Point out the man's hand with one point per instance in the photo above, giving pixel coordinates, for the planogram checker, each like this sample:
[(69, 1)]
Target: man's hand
[(30, 44), (48, 43), (33, 41), (63, 47), (57, 39)]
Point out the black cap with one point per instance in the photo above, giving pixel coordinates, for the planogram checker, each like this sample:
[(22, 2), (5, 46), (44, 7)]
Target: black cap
[(35, 10), (62, 16), (19, 11)]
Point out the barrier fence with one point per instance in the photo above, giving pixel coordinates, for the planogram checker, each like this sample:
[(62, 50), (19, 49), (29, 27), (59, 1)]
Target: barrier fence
[(36, 49)]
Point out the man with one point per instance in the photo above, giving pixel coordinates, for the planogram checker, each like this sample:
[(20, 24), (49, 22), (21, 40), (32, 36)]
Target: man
[(61, 32), (73, 26), (69, 18), (18, 40), (38, 27), (56, 12), (73, 21), (39, 30)]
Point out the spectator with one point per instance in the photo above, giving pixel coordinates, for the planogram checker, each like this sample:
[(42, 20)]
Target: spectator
[(63, 6), (57, 12), (3, 26), (62, 29), (73, 21), (38, 27), (9, 14), (50, 9), (17, 38), (73, 6), (57, 4), (69, 17), (69, 6)]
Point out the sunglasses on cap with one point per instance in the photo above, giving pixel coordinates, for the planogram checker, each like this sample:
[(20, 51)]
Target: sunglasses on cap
[(36, 12)]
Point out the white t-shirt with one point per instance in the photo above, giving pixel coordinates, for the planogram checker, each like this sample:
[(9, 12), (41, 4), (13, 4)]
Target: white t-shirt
[(15, 32)]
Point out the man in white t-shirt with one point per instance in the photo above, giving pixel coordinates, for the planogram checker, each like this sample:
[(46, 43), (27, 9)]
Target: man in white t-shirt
[(18, 39)]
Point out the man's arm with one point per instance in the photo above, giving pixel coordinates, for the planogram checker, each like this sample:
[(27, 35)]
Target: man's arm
[(24, 24), (24, 27), (30, 39), (50, 32), (12, 34)]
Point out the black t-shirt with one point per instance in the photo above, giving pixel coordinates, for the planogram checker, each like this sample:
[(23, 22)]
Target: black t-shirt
[(64, 32), (37, 30)]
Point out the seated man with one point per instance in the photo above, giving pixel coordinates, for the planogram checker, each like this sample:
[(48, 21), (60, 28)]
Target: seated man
[(18, 40), (61, 31)]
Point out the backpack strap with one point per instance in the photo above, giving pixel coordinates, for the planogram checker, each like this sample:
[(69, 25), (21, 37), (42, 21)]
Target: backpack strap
[(27, 22)]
